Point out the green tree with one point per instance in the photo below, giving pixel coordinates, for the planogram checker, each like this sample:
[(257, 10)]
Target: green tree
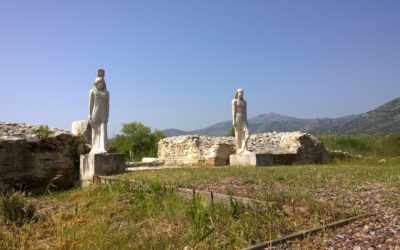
[(137, 140), (231, 132)]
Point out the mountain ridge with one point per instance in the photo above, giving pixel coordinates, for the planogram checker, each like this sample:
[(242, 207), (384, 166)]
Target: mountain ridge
[(383, 119)]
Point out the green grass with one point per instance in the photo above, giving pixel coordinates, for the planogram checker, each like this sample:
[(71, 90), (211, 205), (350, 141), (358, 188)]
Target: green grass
[(379, 145), (285, 178), (148, 216), (141, 217)]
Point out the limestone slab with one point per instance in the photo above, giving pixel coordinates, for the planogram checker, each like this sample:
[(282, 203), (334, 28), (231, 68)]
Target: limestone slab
[(149, 159)]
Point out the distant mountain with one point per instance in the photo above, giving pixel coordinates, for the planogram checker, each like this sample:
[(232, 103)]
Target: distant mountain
[(276, 122), (173, 132), (219, 129), (384, 119)]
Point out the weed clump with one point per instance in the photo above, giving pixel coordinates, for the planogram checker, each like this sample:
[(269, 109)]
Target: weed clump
[(43, 132), (17, 208), (201, 219)]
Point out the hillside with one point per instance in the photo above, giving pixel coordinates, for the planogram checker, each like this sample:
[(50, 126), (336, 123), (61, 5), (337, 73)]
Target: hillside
[(382, 120)]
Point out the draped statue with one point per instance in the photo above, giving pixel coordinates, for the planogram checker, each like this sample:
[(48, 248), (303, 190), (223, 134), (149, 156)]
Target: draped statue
[(99, 99), (239, 117)]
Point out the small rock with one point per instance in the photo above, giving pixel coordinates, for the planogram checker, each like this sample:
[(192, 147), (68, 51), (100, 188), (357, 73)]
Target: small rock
[(382, 161)]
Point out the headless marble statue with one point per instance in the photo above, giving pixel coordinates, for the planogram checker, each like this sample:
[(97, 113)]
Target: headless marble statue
[(239, 117), (98, 113)]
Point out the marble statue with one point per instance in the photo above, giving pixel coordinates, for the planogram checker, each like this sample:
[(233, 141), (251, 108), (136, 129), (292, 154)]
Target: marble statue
[(239, 117), (98, 113)]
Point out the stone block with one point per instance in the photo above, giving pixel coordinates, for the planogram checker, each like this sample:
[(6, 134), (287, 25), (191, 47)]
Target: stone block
[(258, 159), (149, 159), (243, 159), (215, 161), (100, 164)]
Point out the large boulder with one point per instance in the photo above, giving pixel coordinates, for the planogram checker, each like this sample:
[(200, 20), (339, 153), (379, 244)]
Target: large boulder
[(33, 160), (284, 148)]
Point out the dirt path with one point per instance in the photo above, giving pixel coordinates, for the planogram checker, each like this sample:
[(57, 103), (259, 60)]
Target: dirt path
[(381, 231)]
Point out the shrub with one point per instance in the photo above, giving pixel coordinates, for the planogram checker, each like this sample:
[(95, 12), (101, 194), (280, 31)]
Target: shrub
[(43, 132)]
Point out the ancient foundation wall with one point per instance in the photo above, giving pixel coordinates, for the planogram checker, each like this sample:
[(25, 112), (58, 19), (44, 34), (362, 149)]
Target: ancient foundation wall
[(34, 163), (285, 148)]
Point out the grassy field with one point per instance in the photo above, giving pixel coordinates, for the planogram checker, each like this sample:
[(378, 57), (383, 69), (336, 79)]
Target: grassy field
[(145, 216)]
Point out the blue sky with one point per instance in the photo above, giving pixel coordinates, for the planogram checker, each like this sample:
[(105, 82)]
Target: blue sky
[(178, 63)]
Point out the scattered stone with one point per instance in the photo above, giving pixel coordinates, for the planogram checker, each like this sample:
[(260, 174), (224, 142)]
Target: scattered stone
[(381, 229), (340, 155)]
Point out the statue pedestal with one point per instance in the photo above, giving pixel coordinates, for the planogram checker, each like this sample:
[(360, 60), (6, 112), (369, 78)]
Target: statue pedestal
[(99, 164), (243, 159)]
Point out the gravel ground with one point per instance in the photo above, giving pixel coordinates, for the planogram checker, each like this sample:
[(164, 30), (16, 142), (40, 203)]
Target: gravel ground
[(380, 231)]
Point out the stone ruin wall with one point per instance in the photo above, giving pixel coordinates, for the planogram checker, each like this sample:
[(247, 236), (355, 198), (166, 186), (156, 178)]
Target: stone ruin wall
[(31, 163), (287, 148), (193, 150)]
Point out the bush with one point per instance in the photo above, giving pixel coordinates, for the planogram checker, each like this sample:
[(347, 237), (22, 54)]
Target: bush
[(17, 208)]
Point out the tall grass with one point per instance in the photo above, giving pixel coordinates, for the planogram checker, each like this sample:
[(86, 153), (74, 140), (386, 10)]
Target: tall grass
[(376, 145)]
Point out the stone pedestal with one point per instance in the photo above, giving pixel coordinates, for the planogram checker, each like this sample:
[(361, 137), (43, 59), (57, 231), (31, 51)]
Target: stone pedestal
[(99, 164)]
